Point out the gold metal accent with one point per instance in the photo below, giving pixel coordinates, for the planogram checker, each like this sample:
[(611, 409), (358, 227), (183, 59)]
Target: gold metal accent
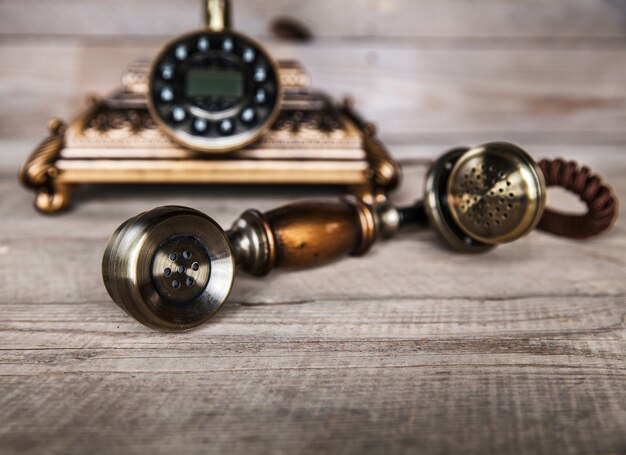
[(388, 173), (367, 225), (386, 219), (253, 243), (217, 15), (40, 171), (54, 199), (496, 193), (39, 166)]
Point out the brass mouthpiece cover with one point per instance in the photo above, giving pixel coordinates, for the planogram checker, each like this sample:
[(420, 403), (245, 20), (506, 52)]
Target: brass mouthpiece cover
[(480, 197), (171, 268)]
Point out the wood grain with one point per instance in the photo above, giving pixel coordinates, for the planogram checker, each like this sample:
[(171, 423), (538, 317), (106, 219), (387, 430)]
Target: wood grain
[(521, 350), (411, 349), (386, 18), (415, 94)]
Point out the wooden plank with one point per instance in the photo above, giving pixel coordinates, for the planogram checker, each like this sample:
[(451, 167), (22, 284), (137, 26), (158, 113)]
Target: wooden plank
[(361, 410), (384, 18), (410, 348), (415, 94)]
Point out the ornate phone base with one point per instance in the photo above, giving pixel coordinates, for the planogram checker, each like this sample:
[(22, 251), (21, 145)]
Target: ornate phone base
[(212, 107), (115, 140)]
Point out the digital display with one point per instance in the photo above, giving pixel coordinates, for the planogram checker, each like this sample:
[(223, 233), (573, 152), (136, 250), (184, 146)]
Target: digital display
[(214, 82)]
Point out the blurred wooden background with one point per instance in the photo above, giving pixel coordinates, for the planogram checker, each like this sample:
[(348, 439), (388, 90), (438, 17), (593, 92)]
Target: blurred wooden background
[(428, 71), (411, 349)]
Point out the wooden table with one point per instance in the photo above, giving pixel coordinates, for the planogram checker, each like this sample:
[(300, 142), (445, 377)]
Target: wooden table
[(412, 349), (413, 346)]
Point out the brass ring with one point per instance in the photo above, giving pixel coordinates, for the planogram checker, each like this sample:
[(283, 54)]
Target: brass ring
[(130, 273)]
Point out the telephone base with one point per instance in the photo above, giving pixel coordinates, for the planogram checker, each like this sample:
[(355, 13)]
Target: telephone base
[(115, 141)]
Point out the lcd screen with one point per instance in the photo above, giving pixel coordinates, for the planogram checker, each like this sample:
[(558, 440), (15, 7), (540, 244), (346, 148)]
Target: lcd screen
[(214, 82)]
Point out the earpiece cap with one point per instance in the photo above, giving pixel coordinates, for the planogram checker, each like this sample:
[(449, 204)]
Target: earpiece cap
[(170, 268), (496, 193)]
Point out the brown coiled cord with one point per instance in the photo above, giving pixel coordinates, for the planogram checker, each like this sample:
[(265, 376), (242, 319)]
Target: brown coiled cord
[(601, 203)]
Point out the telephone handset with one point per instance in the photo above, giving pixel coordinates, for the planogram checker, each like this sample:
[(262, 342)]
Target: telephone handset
[(172, 268), (212, 107)]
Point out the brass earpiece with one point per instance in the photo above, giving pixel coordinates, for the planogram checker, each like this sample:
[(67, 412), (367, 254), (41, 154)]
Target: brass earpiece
[(480, 197), (172, 268)]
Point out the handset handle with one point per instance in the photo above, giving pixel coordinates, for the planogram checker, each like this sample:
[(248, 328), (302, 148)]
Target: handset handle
[(302, 234)]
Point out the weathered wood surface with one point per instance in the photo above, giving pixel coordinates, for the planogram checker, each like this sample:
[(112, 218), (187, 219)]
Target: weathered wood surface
[(414, 93), (425, 71), (389, 18), (412, 348)]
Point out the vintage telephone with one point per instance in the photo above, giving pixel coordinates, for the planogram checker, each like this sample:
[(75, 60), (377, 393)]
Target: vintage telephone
[(213, 107), (172, 268)]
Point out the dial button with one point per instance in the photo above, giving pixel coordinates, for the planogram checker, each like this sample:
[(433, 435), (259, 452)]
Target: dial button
[(228, 45), (226, 126), (248, 115), (167, 94), (260, 74), (200, 125), (260, 96), (167, 71), (248, 55), (179, 114), (203, 43), (181, 52)]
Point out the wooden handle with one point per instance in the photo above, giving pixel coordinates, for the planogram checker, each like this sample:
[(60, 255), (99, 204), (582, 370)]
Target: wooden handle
[(302, 234)]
